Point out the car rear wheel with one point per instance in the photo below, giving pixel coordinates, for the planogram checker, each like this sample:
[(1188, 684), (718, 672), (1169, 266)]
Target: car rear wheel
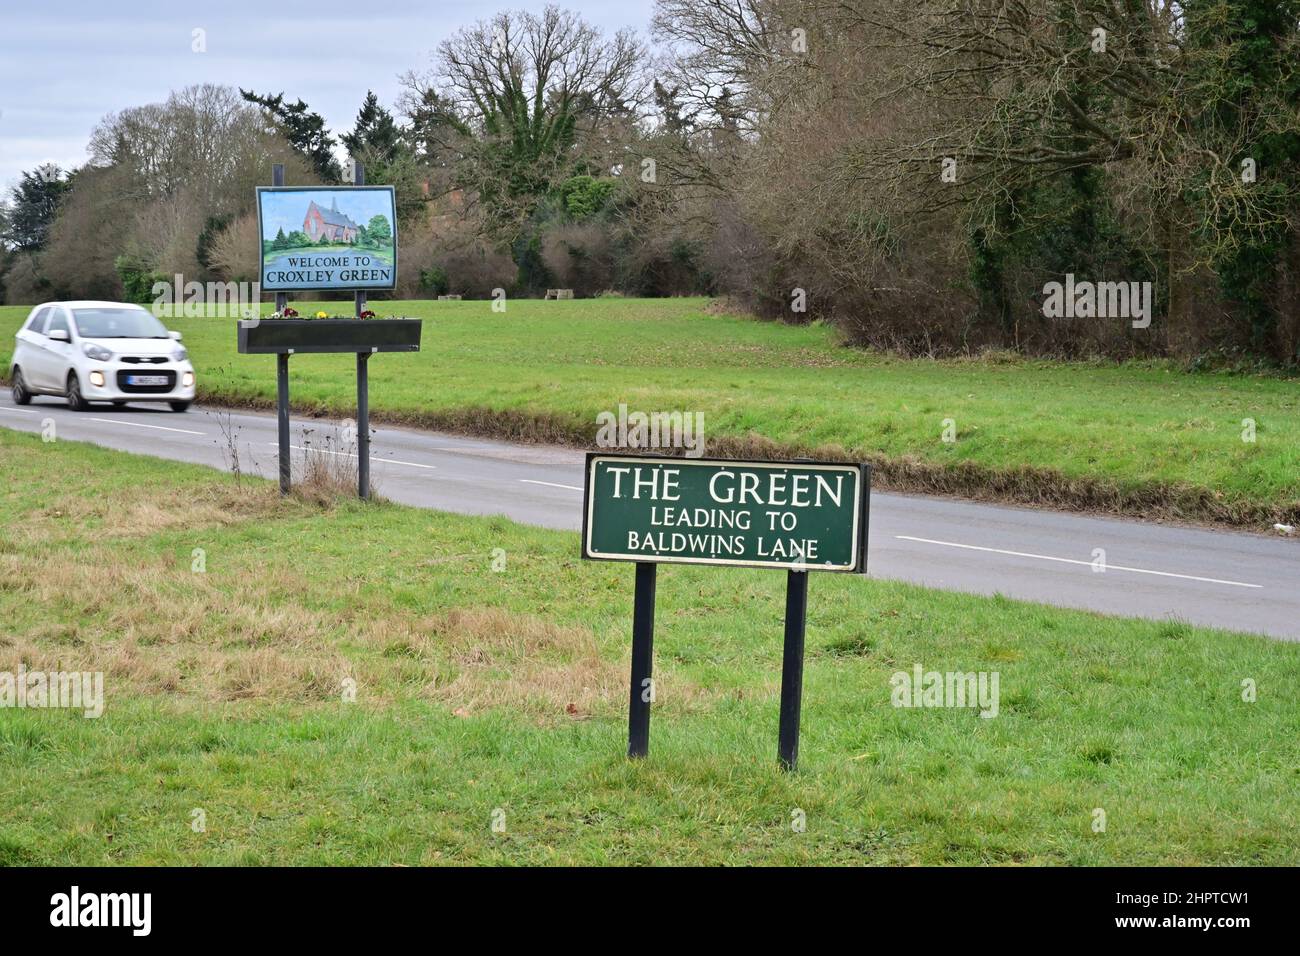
[(75, 400), (179, 406), (19, 389)]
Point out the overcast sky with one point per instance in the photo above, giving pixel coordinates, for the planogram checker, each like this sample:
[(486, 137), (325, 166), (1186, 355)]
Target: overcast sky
[(65, 64)]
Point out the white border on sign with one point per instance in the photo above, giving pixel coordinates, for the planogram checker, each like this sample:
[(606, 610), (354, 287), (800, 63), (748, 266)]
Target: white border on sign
[(698, 462), (392, 198)]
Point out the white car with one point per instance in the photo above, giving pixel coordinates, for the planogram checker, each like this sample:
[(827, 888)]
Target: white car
[(100, 352)]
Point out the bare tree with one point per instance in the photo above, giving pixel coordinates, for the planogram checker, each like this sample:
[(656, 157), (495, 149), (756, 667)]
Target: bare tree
[(513, 102)]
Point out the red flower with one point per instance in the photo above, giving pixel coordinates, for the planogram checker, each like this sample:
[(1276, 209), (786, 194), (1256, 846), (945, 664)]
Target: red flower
[(367, 314)]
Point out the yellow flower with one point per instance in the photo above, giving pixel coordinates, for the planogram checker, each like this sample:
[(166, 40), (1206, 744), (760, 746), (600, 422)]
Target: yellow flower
[(322, 315)]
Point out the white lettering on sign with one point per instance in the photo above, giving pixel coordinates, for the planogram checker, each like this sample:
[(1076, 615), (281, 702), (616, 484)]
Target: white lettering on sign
[(659, 484), (804, 516)]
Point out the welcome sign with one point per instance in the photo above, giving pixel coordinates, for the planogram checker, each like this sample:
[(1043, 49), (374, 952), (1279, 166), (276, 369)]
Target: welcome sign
[(794, 515), (316, 237)]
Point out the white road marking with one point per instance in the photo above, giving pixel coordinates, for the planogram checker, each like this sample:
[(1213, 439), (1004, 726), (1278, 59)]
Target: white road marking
[(344, 454), (161, 428), (1048, 557), (550, 484), (20, 411)]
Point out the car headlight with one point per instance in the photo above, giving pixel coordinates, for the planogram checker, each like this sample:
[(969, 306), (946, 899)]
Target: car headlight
[(97, 352), (180, 355)]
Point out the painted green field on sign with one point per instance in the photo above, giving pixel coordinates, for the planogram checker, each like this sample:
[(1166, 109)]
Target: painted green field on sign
[(761, 514)]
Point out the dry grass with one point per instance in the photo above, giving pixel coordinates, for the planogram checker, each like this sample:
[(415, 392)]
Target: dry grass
[(141, 511), (526, 664), (156, 628), (327, 468)]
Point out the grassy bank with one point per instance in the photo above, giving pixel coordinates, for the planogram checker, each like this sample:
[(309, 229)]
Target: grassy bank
[(481, 691), (1136, 439)]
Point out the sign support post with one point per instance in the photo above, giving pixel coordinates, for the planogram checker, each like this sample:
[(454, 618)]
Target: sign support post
[(363, 382), (643, 634), (363, 426), (282, 373), (282, 416), (796, 619)]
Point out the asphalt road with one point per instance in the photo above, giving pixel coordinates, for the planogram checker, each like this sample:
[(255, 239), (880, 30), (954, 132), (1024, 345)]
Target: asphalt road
[(1243, 582)]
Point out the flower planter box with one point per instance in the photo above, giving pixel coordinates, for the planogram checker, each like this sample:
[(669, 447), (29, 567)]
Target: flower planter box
[(281, 336)]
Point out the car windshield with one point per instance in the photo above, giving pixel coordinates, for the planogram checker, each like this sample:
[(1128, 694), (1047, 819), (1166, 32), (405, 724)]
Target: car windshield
[(118, 324)]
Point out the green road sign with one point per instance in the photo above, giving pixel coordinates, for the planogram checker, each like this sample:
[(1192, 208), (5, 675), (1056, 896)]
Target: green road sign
[(801, 516)]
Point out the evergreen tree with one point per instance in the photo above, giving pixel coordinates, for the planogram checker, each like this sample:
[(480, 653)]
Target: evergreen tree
[(33, 205), (305, 131), (375, 136)]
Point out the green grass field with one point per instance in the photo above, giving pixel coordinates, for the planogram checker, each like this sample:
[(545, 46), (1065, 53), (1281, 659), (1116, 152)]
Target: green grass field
[(1141, 439), (479, 691)]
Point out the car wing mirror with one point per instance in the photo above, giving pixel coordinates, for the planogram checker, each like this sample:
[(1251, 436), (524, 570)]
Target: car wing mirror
[(59, 335), (175, 335)]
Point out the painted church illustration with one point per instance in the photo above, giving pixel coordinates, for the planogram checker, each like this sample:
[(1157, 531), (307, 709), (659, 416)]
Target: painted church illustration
[(328, 224)]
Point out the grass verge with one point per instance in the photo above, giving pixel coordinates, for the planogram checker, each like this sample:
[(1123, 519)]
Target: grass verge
[(226, 622)]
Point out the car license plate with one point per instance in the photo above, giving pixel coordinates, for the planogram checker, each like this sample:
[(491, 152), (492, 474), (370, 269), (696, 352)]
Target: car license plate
[(146, 380)]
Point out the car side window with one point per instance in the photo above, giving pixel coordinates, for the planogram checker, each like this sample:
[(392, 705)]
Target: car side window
[(58, 321), (37, 324)]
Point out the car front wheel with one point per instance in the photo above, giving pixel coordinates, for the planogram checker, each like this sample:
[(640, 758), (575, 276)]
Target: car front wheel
[(179, 406), (19, 389), (75, 400)]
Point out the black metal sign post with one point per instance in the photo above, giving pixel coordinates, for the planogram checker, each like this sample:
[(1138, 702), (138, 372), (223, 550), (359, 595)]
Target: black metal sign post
[(363, 426), (363, 382), (799, 515), (643, 656), (282, 372), (796, 617), (642, 684), (282, 417)]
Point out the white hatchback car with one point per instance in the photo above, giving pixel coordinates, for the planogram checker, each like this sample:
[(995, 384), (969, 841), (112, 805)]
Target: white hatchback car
[(100, 352)]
